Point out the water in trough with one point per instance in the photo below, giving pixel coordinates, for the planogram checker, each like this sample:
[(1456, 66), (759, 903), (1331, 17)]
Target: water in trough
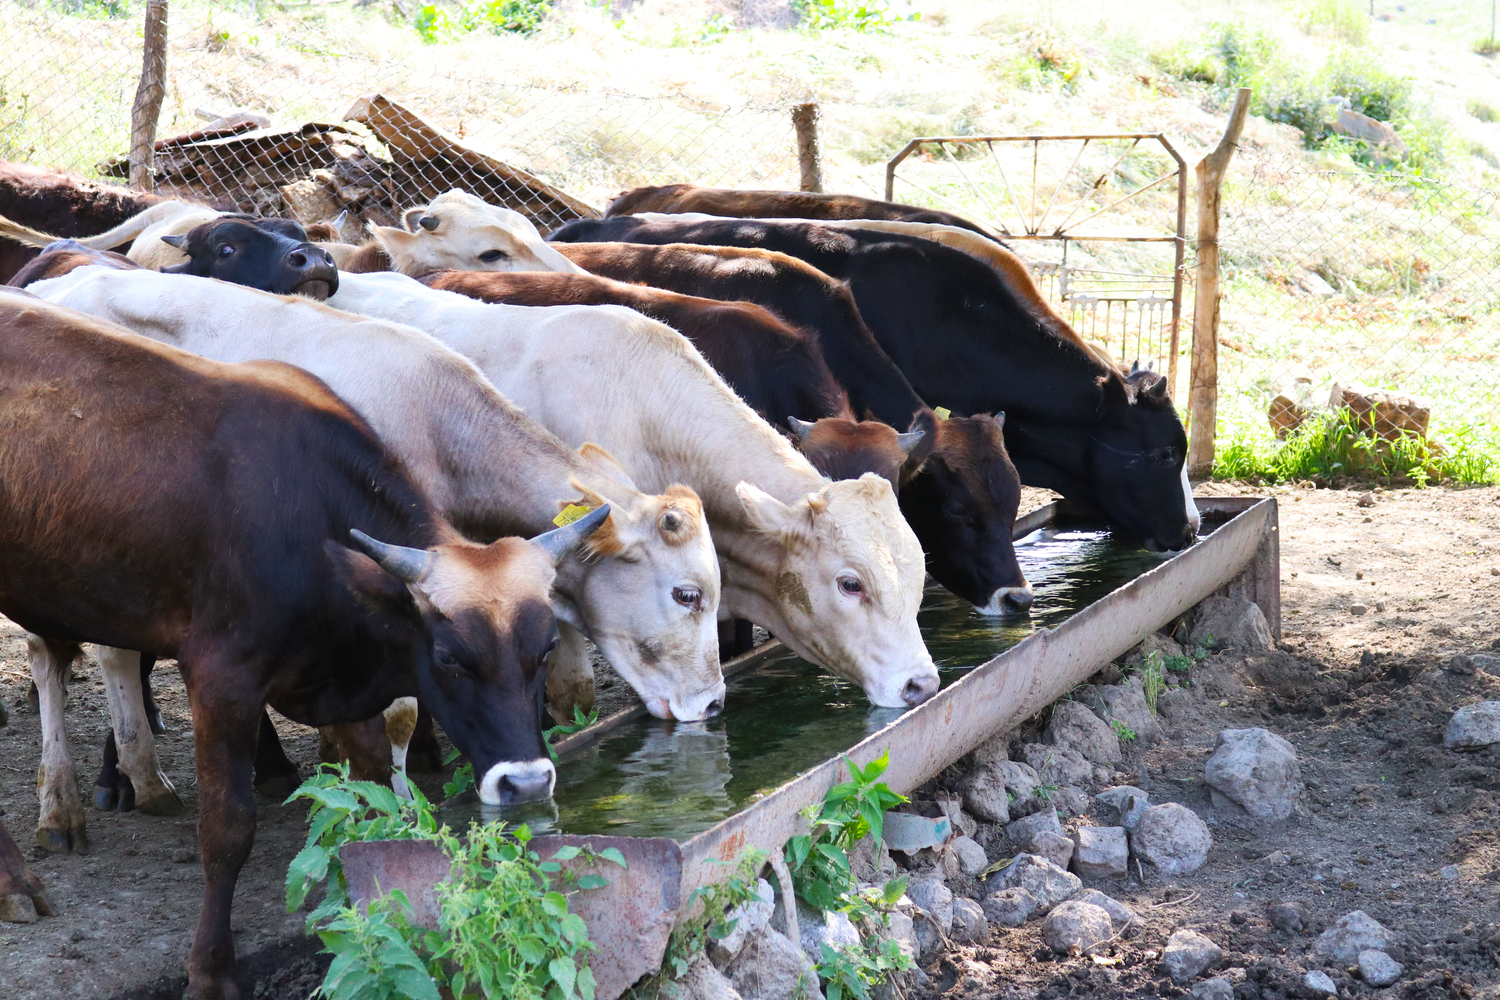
[(650, 778)]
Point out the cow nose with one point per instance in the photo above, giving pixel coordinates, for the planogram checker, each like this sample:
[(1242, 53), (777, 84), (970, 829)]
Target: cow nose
[(713, 709), (1019, 599), (297, 259), (524, 788), (512, 782), (919, 689)]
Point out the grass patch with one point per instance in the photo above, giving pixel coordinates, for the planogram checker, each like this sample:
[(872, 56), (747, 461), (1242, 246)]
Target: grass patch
[(1488, 47), (1483, 110)]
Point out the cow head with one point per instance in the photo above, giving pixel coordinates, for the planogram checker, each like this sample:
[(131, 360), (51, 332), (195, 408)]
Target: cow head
[(963, 508), (272, 255), (848, 581), (841, 448), (1137, 453), (490, 628), (460, 232), (649, 598)]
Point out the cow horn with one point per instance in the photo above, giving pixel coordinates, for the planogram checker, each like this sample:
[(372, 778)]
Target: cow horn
[(801, 427), (999, 419), (406, 564), (909, 440), (180, 242), (558, 542), (1135, 366)]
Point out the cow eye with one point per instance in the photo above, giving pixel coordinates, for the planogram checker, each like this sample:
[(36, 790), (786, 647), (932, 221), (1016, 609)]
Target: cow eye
[(1168, 454), (851, 586), (225, 250), (953, 510), (688, 597), (490, 256), (444, 658)]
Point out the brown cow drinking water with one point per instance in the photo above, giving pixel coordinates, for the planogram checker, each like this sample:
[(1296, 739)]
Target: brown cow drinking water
[(154, 499)]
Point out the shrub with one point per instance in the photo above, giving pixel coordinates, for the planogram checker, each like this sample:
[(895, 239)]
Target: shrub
[(856, 15), (1346, 20)]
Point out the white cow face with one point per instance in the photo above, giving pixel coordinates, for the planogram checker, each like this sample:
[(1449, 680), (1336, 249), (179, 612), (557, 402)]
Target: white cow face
[(459, 232), (848, 585), (650, 601)]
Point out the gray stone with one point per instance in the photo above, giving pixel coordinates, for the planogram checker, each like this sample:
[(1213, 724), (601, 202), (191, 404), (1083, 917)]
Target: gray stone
[(1291, 917), (1377, 968), (970, 856), (1074, 725), (1075, 928), (819, 927), (901, 929), (1450, 873), (1070, 800), (1318, 983), (1126, 703), (1188, 954), (1256, 771), (770, 967), (871, 862), (1171, 837), (1217, 988), (1351, 934), (1120, 915), (1020, 780), (1048, 883), (1058, 765), (1460, 665), (985, 794), (1101, 852), (1162, 645), (1010, 907), (934, 897), (1125, 804), (969, 923), (702, 981), (1022, 831), (1474, 726), (1488, 662), (749, 919), (1231, 624)]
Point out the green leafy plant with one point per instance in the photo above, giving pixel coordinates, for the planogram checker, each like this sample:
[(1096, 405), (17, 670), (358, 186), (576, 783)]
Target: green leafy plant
[(713, 920), (855, 15), (1045, 792), (431, 23), (518, 16), (1124, 732)]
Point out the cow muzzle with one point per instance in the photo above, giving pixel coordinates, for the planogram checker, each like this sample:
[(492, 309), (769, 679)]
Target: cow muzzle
[(312, 272), (1009, 600), (513, 782)]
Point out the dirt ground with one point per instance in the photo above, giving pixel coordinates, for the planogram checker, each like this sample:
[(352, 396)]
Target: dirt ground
[(1361, 698)]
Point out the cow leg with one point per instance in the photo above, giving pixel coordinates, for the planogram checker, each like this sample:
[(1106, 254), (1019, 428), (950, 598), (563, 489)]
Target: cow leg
[(426, 754), (570, 675), (112, 789), (62, 825), (276, 777), (227, 713), (400, 723), (151, 789), (153, 714)]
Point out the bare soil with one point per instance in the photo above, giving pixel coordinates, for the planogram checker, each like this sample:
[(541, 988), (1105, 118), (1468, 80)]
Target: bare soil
[(1363, 699)]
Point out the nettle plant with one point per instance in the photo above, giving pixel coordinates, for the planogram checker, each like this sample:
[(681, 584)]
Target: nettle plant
[(504, 931)]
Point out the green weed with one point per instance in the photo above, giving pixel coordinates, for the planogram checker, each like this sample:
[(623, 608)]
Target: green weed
[(1124, 732), (854, 15), (1487, 46), (1346, 20), (1153, 673), (1483, 110)]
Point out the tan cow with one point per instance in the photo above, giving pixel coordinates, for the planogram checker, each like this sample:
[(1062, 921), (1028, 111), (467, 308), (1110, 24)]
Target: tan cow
[(166, 218)]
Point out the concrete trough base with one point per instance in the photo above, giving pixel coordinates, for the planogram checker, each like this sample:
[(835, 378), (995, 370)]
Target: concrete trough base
[(631, 920)]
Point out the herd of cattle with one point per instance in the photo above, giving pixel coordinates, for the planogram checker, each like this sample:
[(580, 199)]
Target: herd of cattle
[(306, 470)]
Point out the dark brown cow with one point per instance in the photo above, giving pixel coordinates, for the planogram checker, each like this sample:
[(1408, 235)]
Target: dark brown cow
[(61, 204), (153, 499), (963, 503), (735, 204)]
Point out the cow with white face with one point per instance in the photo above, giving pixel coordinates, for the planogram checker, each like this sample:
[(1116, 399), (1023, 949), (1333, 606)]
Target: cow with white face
[(831, 568), (457, 231)]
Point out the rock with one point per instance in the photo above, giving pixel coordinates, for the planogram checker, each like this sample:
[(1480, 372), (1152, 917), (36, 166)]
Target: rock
[(1460, 665), (934, 897), (1488, 662), (1358, 609), (1076, 928), (1450, 873), (1055, 847), (1188, 954), (1074, 725), (1101, 852), (1020, 780), (1256, 771), (1228, 623), (1474, 726), (184, 856), (1351, 934), (770, 967), (969, 923), (1217, 988), (1377, 968), (1120, 915), (1048, 883), (871, 862), (971, 857), (1162, 645), (1171, 837), (1389, 415), (1069, 800), (1318, 983), (307, 201), (985, 794), (1126, 704), (819, 927), (1291, 917), (1298, 399), (1058, 765), (702, 981), (1022, 831), (1125, 804), (1010, 907), (749, 919), (901, 929)]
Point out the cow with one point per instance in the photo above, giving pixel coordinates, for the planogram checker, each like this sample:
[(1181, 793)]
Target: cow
[(242, 519), (273, 254), (62, 204), (830, 568), (736, 204), (646, 588), (967, 486), (775, 368), (1112, 445)]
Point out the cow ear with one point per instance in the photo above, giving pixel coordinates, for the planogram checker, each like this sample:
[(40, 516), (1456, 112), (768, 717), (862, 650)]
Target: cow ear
[(372, 586), (1116, 395), (765, 512), (390, 237), (410, 216)]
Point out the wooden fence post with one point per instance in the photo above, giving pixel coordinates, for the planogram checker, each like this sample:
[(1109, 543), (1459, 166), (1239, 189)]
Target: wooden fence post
[(809, 147), (149, 94), (1203, 393)]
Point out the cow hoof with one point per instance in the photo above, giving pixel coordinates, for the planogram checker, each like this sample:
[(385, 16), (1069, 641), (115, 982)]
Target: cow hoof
[(158, 727), (105, 798), (164, 803), (278, 787), (53, 841), (211, 988)]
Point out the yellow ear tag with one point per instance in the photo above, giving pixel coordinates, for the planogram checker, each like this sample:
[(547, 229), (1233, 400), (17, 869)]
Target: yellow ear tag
[(570, 513), (943, 412)]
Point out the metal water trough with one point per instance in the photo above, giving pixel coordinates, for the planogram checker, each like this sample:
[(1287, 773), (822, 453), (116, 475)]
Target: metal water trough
[(631, 920)]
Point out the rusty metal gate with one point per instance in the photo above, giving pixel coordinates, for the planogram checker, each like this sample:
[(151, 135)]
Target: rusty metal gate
[(1127, 299)]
